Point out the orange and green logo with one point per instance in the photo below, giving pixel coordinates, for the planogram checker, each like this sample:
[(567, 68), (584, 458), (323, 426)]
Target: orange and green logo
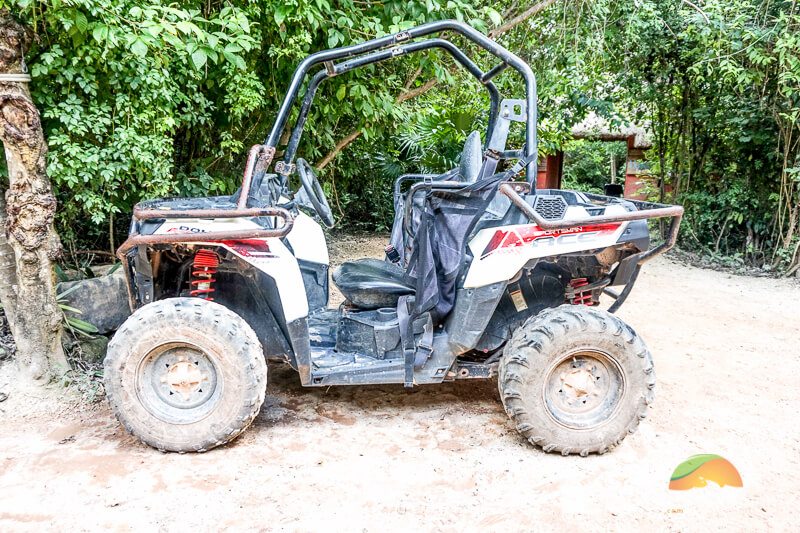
[(698, 470)]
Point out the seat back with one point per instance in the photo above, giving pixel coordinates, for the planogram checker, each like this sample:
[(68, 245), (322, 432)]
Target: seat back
[(468, 171), (469, 167), (438, 252)]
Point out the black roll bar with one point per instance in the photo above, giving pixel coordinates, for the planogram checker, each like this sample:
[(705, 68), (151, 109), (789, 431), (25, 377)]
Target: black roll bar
[(507, 57), (458, 55)]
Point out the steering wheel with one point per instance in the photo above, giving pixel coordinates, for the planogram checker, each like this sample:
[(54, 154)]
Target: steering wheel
[(315, 193)]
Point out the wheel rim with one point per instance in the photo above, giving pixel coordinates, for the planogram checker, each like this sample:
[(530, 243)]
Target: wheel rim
[(584, 389), (178, 383)]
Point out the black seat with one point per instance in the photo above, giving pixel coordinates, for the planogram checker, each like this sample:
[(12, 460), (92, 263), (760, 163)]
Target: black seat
[(469, 166), (372, 283)]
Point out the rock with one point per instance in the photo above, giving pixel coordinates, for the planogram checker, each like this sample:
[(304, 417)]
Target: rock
[(103, 301), (93, 350), (102, 270), (70, 275), (88, 349)]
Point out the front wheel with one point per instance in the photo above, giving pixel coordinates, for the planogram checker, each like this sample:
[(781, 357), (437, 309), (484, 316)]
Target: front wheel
[(576, 380), (185, 374)]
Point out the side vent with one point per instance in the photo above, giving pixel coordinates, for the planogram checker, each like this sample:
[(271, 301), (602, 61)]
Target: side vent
[(550, 207)]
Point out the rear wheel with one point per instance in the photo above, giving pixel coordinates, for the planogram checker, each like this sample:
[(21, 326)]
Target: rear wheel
[(576, 380), (185, 374)]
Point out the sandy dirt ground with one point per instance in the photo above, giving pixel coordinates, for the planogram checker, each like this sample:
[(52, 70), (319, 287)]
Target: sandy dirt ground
[(446, 458)]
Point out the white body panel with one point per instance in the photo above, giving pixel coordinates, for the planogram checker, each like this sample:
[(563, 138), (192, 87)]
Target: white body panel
[(500, 252), (308, 240), (268, 255)]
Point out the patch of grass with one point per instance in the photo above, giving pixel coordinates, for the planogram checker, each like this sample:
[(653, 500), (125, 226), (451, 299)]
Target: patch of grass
[(87, 381)]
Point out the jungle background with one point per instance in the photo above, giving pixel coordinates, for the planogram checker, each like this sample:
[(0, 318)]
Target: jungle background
[(149, 98)]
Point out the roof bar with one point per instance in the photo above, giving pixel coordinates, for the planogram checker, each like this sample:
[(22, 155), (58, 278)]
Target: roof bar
[(531, 144), (375, 57), (494, 72)]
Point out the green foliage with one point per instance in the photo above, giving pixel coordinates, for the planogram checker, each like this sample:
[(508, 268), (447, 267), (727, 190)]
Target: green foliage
[(86, 380), (718, 83), (145, 98), (587, 164), (117, 83)]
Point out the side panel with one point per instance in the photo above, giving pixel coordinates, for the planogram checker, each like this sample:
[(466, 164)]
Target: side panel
[(307, 240), (270, 256), (473, 310), (499, 253), (253, 296), (315, 280)]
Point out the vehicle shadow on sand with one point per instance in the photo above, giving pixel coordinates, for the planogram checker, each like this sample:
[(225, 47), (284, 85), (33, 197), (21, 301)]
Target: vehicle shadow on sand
[(288, 401)]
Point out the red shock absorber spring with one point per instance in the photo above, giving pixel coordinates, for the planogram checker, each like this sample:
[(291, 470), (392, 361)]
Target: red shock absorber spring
[(204, 268), (580, 297)]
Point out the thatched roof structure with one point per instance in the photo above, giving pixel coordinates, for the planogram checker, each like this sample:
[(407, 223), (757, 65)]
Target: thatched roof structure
[(597, 128)]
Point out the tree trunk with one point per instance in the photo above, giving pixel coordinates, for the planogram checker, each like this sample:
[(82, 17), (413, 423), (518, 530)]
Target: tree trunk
[(27, 292), (8, 268)]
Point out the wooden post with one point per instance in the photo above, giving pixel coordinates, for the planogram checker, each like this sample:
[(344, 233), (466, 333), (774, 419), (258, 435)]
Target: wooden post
[(550, 170), (635, 180)]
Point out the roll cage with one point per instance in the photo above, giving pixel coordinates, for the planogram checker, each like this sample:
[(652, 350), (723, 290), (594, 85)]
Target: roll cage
[(382, 49), (501, 113)]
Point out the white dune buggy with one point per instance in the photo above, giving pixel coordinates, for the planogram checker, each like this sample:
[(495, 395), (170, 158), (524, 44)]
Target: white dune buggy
[(484, 276)]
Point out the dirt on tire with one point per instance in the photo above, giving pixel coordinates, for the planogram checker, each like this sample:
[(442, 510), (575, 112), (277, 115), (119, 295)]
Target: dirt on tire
[(545, 343), (215, 360)]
